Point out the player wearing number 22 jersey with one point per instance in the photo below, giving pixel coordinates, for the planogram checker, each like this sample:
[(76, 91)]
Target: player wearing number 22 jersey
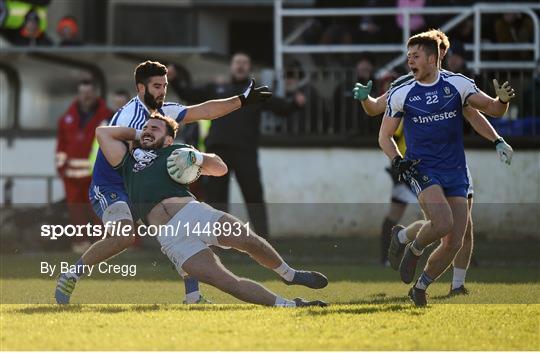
[(433, 124)]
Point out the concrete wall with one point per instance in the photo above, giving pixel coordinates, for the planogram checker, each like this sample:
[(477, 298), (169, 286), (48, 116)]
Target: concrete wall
[(332, 191), (346, 192)]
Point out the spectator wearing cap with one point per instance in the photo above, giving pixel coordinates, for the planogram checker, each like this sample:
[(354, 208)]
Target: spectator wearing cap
[(68, 31), (30, 33)]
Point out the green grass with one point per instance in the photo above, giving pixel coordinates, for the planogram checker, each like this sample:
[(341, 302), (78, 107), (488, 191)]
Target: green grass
[(369, 310), (246, 327)]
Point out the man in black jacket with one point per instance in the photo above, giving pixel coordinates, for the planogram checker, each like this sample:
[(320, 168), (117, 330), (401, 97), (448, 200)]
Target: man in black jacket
[(235, 138)]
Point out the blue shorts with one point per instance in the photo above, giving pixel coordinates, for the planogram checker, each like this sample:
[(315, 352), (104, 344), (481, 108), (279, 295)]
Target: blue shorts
[(103, 196), (453, 182)]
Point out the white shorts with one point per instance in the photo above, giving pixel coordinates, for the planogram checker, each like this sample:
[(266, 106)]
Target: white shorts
[(401, 193), (187, 240)]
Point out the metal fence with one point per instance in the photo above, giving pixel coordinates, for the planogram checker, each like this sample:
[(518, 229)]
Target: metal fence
[(283, 46), (331, 112)]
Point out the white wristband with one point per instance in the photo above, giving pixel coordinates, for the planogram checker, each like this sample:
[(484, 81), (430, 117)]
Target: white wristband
[(199, 157), (138, 134)]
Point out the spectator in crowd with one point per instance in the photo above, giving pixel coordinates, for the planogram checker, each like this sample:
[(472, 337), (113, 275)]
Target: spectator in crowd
[(417, 22), (514, 28), (120, 98), (235, 138), (76, 132), (455, 59), (310, 119), (346, 110), (68, 31), (376, 29), (30, 33)]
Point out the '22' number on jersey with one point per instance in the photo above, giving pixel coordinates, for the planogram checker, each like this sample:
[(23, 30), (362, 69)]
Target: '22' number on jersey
[(432, 99)]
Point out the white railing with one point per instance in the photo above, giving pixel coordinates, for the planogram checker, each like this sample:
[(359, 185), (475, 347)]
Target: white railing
[(282, 45)]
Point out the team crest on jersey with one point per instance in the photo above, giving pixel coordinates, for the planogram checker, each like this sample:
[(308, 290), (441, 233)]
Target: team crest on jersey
[(415, 99), (143, 158), (446, 90), (113, 195)]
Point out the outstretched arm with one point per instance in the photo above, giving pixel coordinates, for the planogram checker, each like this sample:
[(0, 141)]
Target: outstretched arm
[(480, 124), (213, 109), (495, 107), (372, 106), (112, 139), (375, 106), (483, 127), (217, 108)]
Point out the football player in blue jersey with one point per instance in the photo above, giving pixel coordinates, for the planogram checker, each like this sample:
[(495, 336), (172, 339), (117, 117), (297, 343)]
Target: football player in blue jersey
[(431, 107), (107, 193), (375, 107)]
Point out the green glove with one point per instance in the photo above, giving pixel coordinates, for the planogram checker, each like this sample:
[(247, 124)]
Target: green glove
[(361, 92)]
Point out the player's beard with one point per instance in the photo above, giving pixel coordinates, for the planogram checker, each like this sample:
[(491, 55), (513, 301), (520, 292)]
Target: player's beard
[(157, 144), (150, 101)]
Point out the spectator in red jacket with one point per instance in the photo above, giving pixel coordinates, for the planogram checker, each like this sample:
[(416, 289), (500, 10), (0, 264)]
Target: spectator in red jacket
[(76, 132)]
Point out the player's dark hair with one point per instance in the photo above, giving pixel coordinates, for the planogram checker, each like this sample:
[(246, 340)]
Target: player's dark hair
[(171, 124), (428, 43), (148, 69)]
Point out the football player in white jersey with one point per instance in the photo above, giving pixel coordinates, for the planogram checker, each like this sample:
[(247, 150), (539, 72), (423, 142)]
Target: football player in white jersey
[(107, 193)]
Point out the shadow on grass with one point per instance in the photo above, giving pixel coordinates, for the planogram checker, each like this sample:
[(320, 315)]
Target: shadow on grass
[(407, 309), (122, 308), (377, 303), (380, 298)]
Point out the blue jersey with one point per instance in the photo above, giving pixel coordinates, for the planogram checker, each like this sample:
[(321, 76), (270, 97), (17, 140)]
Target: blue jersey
[(433, 119), (134, 114)]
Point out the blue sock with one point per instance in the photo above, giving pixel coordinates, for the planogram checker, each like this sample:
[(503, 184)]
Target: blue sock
[(423, 281), (192, 285)]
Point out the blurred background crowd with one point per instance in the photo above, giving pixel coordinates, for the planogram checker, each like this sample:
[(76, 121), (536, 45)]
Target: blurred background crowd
[(66, 67)]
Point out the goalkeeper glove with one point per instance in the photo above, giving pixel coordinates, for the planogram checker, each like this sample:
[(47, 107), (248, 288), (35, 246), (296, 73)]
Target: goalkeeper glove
[(254, 95), (404, 168), (361, 92), (505, 92), (504, 150)]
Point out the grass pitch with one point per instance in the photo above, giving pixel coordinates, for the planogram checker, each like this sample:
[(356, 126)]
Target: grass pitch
[(369, 310)]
